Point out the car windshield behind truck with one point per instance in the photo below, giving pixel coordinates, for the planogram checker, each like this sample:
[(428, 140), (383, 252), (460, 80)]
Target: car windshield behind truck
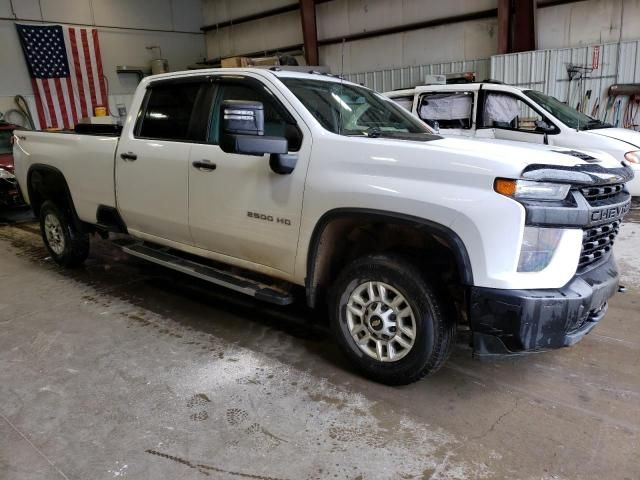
[(5, 142), (350, 110), (567, 115)]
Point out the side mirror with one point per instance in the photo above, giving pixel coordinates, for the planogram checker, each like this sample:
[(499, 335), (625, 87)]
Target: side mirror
[(242, 130), (544, 127)]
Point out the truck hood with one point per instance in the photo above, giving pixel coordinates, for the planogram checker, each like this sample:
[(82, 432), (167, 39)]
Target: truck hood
[(526, 154), (624, 135), (576, 156)]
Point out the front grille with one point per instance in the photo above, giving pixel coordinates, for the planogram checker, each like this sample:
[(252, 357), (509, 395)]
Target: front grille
[(597, 242), (594, 194)]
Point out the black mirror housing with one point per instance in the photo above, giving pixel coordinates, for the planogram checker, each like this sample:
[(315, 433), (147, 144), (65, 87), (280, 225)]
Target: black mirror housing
[(242, 117), (544, 127)]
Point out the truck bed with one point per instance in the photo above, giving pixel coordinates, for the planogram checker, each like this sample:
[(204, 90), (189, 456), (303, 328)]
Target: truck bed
[(70, 152)]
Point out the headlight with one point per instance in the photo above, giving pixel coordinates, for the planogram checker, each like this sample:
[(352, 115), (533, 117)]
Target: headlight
[(538, 246), (529, 190), (632, 157), (6, 174)]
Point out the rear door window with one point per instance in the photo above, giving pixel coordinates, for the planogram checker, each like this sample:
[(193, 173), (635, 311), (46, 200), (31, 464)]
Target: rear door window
[(169, 112), (446, 109)]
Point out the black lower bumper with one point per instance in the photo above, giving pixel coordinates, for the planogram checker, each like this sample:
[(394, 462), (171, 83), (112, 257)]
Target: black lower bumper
[(515, 322)]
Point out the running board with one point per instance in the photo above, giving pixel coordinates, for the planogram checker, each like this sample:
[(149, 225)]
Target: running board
[(164, 257)]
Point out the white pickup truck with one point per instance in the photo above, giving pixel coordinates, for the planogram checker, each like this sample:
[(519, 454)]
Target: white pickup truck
[(486, 111), (273, 182)]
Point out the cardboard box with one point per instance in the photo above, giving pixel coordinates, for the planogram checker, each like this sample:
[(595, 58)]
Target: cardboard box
[(235, 62), (264, 61), (239, 62)]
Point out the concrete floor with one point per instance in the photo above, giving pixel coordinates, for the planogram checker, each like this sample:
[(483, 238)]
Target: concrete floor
[(123, 369)]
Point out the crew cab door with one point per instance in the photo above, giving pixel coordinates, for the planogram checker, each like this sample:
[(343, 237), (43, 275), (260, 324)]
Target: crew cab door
[(506, 116), (238, 206), (152, 160)]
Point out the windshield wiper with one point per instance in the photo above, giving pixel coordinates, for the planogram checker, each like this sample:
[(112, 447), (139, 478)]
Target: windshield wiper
[(593, 124)]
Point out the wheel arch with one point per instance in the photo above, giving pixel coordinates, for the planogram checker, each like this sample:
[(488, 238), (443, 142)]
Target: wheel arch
[(331, 222), (45, 182)]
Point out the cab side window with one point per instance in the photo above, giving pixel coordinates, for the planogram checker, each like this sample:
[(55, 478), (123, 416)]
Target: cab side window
[(406, 101), (449, 110), (277, 121), (168, 112), (508, 112)]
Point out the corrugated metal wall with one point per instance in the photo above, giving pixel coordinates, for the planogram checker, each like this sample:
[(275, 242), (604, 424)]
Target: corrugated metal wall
[(406, 77), (546, 70)]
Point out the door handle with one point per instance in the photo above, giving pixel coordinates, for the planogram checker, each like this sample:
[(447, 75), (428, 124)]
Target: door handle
[(204, 165), (129, 156)]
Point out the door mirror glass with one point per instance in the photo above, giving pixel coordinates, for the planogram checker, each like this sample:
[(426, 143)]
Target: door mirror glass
[(242, 130)]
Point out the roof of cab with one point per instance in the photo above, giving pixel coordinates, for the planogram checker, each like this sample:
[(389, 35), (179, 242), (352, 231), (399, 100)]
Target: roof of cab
[(448, 87), (280, 73)]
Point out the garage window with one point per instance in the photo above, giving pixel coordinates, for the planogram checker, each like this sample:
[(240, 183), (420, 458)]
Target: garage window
[(169, 110)]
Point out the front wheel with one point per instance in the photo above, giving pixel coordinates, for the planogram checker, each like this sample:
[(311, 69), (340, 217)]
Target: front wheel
[(389, 320), (67, 245)]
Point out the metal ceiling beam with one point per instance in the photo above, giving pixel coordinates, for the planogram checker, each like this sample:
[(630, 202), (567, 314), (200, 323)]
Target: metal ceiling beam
[(411, 26), (309, 31)]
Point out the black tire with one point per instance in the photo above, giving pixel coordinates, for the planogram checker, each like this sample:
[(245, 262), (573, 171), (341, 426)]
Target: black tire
[(74, 249), (434, 330)]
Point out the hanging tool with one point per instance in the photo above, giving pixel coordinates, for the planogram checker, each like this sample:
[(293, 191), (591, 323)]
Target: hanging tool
[(23, 108)]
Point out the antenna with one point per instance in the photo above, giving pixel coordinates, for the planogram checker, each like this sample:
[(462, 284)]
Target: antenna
[(341, 83)]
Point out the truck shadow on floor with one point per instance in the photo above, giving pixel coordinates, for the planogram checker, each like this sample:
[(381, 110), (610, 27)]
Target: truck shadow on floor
[(188, 303)]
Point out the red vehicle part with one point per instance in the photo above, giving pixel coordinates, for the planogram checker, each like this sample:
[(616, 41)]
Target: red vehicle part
[(9, 191)]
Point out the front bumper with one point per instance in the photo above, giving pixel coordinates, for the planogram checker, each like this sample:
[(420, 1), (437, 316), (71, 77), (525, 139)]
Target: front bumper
[(515, 322)]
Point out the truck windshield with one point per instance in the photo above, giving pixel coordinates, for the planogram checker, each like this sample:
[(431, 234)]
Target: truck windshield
[(567, 115), (5, 142), (350, 110)]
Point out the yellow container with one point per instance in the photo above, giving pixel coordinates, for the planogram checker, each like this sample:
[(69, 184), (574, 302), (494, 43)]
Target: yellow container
[(101, 111)]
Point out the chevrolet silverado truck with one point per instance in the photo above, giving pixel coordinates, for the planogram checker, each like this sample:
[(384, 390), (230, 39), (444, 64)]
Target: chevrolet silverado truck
[(503, 112), (279, 184)]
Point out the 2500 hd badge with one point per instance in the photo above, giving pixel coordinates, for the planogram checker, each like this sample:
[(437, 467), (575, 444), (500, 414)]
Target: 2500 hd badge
[(269, 218)]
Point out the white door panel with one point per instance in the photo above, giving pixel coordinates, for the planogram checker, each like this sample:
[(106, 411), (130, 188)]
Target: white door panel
[(152, 191), (245, 210)]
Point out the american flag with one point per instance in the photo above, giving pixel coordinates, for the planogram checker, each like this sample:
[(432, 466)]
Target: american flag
[(66, 72)]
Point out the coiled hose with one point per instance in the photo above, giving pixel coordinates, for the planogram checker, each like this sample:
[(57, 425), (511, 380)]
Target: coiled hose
[(23, 108)]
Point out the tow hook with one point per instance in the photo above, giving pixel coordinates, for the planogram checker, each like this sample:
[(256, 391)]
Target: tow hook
[(622, 289)]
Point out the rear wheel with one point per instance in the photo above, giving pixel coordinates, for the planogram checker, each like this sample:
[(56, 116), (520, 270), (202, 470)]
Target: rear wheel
[(67, 245), (389, 320)]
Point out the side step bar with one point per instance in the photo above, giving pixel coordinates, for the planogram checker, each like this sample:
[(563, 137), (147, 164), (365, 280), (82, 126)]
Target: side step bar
[(164, 257)]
